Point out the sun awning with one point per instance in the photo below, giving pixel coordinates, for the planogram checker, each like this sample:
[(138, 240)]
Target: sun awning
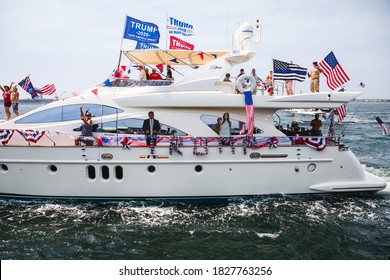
[(173, 57)]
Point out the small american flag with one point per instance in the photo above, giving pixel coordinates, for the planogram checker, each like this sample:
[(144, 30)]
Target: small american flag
[(46, 90), (362, 85), (250, 112), (334, 73), (341, 112)]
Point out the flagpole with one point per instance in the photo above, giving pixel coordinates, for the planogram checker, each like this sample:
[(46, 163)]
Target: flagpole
[(166, 43), (120, 49)]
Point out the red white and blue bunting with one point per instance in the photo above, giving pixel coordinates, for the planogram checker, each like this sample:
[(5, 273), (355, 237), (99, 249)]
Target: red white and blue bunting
[(6, 135), (32, 135), (175, 142)]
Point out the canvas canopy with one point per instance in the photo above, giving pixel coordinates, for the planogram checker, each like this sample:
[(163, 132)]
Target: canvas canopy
[(173, 57)]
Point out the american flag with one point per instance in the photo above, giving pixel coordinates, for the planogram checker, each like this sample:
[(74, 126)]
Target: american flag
[(362, 85), (341, 112), (46, 90), (250, 112), (288, 71), (334, 73)]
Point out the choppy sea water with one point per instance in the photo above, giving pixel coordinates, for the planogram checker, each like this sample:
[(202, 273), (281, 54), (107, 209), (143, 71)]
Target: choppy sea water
[(269, 227)]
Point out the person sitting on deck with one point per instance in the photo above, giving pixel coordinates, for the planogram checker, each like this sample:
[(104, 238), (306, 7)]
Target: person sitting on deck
[(154, 75)]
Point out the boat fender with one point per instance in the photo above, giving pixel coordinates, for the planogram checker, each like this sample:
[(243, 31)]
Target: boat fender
[(246, 82)]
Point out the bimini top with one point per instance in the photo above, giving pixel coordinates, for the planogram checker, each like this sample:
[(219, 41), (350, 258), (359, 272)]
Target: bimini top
[(175, 57)]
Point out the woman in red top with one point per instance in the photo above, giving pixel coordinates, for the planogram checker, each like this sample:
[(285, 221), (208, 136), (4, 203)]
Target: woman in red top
[(7, 100)]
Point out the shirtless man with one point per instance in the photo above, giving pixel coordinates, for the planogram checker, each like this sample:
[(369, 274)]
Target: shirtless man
[(316, 126), (314, 74), (15, 101)]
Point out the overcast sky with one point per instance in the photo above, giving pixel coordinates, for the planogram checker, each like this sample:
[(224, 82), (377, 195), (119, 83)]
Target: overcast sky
[(75, 44)]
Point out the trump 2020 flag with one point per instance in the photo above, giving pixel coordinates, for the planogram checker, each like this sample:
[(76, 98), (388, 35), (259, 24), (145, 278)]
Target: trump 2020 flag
[(250, 113), (27, 85), (334, 73), (141, 31), (178, 27), (288, 71)]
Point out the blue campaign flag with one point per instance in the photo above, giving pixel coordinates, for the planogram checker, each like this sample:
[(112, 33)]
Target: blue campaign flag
[(28, 86), (145, 46), (141, 31)]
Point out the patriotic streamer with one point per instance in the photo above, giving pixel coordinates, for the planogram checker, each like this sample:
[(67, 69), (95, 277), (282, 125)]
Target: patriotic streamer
[(6, 135), (316, 143), (31, 135)]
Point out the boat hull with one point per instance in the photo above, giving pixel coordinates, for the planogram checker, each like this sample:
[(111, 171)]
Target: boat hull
[(139, 173)]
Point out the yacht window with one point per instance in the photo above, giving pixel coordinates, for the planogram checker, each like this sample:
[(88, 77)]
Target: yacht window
[(68, 113), (237, 126), (134, 126), (49, 115)]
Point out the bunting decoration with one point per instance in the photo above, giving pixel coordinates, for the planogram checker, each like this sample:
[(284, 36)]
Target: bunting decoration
[(160, 67), (318, 144), (174, 60), (32, 135), (201, 55), (272, 142), (6, 135)]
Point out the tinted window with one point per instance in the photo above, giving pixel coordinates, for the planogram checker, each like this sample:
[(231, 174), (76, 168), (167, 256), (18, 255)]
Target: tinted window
[(49, 115), (134, 126), (68, 113), (237, 126)]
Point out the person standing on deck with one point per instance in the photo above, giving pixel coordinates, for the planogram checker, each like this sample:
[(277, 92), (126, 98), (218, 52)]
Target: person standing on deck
[(314, 74), (15, 101), (7, 100), (151, 127)]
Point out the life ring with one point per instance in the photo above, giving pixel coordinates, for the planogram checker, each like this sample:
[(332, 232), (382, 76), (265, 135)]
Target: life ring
[(242, 83)]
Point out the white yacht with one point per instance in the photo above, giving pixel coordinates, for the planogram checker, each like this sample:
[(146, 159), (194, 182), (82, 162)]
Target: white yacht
[(188, 160)]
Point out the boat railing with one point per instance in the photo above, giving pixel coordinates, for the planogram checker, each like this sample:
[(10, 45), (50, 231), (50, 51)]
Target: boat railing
[(123, 82), (58, 138)]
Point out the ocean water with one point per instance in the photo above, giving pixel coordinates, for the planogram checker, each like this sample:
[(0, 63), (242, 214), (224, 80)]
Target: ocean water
[(269, 227)]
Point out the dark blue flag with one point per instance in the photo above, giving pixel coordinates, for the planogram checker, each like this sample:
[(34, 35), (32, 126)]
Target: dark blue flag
[(141, 31), (28, 86), (145, 46)]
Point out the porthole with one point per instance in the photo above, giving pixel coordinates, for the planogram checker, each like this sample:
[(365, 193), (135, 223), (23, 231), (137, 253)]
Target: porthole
[(91, 172), (151, 168), (198, 168), (118, 172), (3, 168), (105, 172), (311, 167), (52, 168)]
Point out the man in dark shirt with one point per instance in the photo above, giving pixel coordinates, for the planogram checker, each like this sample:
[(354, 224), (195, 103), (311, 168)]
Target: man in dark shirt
[(151, 127)]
